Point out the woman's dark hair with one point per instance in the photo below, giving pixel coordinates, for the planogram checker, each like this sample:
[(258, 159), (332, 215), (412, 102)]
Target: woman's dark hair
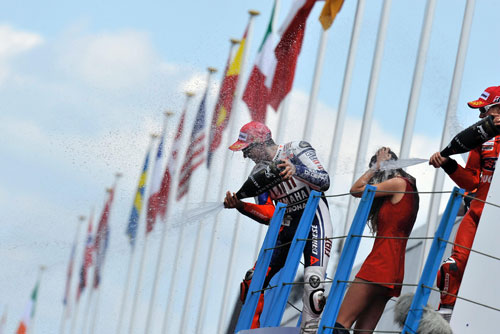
[(379, 177)]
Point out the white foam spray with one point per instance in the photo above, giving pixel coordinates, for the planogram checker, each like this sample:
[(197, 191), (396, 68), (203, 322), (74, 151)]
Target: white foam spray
[(201, 212), (401, 163)]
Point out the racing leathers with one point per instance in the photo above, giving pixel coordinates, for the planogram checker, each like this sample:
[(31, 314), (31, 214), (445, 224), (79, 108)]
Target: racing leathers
[(477, 174), (309, 175)]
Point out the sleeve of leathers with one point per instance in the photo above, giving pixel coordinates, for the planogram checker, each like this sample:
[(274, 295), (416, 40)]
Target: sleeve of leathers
[(261, 213), (308, 168), (468, 177)]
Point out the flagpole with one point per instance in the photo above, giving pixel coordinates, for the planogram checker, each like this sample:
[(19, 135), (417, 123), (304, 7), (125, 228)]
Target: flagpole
[(168, 115), (342, 109), (65, 313), (194, 257), (131, 258), (418, 76), (39, 280), (160, 260), (111, 192), (450, 111), (313, 97), (143, 253), (369, 106), (234, 122), (86, 315)]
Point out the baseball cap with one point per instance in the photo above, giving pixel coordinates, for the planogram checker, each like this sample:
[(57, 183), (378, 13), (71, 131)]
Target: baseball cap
[(253, 132), (491, 95)]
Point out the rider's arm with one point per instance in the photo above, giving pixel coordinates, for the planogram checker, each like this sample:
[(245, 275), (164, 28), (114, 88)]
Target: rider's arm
[(261, 212), (308, 168), (468, 177)]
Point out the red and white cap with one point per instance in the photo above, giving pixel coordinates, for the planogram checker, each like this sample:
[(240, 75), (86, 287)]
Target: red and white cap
[(250, 133), (491, 95)]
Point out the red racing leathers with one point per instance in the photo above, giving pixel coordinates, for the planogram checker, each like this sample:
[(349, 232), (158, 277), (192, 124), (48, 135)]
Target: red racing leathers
[(477, 174)]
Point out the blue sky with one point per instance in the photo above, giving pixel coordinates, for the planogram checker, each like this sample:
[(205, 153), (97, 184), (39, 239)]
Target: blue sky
[(83, 85)]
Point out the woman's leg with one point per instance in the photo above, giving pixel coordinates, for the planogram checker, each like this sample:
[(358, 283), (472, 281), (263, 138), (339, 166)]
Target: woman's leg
[(370, 316), (359, 297)]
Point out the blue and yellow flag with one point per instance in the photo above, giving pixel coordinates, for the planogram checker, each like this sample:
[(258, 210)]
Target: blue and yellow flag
[(137, 206)]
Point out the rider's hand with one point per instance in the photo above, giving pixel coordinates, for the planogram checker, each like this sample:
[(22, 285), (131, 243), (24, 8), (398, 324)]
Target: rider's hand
[(437, 160), (288, 169), (232, 202)]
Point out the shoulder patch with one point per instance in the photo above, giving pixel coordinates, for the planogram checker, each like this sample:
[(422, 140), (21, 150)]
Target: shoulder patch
[(304, 144)]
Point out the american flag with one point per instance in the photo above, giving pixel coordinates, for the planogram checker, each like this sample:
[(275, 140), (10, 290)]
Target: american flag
[(194, 155)]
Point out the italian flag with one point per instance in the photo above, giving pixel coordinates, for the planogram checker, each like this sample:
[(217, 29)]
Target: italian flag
[(29, 312), (258, 88)]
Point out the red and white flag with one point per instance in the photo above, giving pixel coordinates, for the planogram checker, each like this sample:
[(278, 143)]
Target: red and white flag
[(288, 49), (258, 89), (87, 259), (171, 169), (102, 239)]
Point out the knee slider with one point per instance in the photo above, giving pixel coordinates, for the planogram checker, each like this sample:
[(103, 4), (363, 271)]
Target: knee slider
[(317, 299), (245, 285)]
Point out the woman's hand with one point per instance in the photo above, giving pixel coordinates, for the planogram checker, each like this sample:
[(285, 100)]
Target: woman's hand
[(288, 171), (382, 155), (232, 202)]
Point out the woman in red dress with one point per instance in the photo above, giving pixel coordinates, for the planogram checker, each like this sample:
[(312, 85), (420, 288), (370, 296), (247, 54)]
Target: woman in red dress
[(393, 214)]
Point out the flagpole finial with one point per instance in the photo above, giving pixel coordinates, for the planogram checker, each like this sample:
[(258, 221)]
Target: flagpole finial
[(235, 41), (81, 218), (189, 94), (154, 136), (108, 190), (212, 69), (42, 267), (253, 12), (118, 175), (168, 113)]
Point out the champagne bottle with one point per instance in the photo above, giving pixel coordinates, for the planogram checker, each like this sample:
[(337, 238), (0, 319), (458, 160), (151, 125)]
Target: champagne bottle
[(472, 137), (261, 181)]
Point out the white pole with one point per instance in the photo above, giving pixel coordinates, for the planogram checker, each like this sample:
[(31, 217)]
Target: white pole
[(197, 246), (96, 314), (131, 259), (346, 87), (74, 251), (418, 75), (369, 106), (146, 237), (233, 128), (180, 241), (39, 282), (89, 302), (159, 262), (313, 97), (450, 111)]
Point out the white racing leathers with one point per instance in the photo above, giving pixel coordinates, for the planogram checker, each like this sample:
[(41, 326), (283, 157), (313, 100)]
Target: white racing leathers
[(310, 175)]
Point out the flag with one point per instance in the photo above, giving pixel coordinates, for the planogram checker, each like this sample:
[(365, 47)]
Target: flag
[(87, 259), (102, 239), (257, 91), (224, 103), (154, 192), (196, 147), (329, 11), (29, 311), (69, 273), (137, 206), (171, 169), (288, 49)]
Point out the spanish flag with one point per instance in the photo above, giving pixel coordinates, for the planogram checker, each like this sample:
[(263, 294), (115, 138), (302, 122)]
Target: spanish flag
[(224, 103), (329, 11)]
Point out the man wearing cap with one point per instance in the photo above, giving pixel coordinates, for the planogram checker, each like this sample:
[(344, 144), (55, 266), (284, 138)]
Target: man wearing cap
[(301, 173), (477, 174)]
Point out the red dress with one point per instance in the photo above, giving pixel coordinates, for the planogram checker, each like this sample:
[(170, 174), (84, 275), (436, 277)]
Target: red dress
[(386, 262)]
